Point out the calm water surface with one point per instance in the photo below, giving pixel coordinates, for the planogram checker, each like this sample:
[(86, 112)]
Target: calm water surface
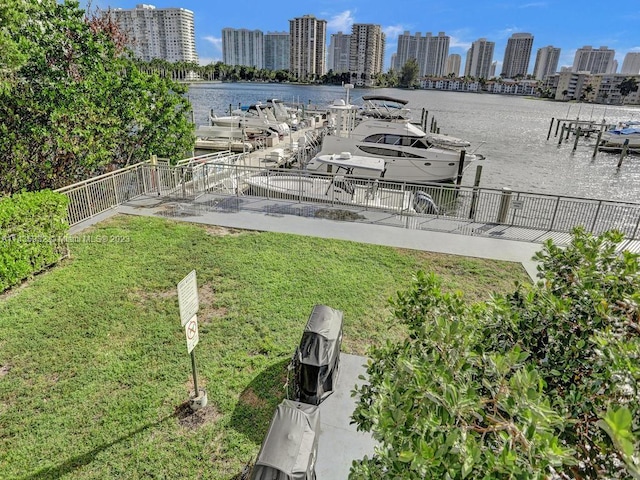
[(513, 129)]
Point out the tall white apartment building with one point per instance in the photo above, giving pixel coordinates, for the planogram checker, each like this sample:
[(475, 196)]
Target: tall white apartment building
[(164, 33), (407, 50), (517, 55), (430, 52), (547, 60), (631, 64), (594, 60), (307, 47), (479, 59), (366, 54), (276, 51), (338, 55), (453, 65), (242, 47)]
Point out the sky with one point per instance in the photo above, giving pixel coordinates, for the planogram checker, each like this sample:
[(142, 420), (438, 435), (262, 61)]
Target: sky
[(568, 25)]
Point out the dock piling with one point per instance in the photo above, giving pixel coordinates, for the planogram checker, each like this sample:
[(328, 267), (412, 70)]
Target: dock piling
[(575, 143), (550, 128), (595, 149), (461, 166), (623, 153)]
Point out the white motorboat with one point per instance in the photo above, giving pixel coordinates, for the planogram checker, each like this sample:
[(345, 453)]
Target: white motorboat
[(408, 153), (284, 113), (383, 107), (614, 139), (253, 116), (341, 188)]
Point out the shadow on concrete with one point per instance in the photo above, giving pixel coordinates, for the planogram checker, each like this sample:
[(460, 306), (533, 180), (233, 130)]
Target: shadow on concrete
[(259, 400)]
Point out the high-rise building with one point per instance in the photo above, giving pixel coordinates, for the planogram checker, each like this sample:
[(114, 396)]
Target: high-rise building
[(453, 65), (276, 51), (366, 54), (517, 55), (164, 33), (547, 60), (479, 59), (594, 60), (407, 49), (631, 63), (307, 47), (338, 56), (432, 54), (492, 70), (243, 47)]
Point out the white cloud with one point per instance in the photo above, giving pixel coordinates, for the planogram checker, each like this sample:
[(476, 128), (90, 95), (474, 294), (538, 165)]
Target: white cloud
[(534, 5), (216, 42), (341, 22), (455, 42), (392, 31), (208, 60)]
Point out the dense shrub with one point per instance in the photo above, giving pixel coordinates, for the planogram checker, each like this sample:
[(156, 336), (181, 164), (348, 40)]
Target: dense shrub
[(540, 383), (33, 229)]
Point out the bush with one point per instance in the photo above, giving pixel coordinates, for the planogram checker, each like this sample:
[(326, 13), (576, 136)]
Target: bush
[(540, 383), (33, 229)]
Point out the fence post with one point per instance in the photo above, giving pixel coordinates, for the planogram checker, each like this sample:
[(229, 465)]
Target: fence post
[(505, 201), (88, 197), (475, 193), (555, 212), (115, 189), (595, 218), (550, 127)]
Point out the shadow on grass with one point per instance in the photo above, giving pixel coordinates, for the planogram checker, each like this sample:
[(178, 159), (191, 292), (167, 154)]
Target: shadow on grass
[(259, 400), (182, 412)]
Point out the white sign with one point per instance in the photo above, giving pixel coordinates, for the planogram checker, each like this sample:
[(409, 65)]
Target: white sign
[(188, 297), (191, 332)]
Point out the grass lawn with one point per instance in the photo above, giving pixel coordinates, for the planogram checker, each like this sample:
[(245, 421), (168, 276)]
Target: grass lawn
[(94, 370)]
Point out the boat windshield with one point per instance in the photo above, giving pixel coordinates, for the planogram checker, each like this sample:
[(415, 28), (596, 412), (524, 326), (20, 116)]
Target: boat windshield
[(399, 140)]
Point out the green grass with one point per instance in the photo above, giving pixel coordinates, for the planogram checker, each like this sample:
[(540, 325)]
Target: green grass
[(94, 370)]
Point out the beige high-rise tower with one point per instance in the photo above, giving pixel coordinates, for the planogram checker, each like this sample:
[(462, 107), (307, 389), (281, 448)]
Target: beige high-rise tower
[(308, 38), (366, 53), (517, 55)]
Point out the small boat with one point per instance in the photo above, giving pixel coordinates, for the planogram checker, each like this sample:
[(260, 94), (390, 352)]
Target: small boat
[(251, 117), (614, 139), (340, 186)]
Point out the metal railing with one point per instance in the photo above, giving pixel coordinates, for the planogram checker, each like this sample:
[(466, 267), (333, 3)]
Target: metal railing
[(227, 176)]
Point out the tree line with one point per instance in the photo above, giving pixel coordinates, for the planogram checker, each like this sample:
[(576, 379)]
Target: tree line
[(73, 102)]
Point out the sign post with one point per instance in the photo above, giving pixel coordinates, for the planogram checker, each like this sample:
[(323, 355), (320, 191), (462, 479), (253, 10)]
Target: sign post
[(189, 304)]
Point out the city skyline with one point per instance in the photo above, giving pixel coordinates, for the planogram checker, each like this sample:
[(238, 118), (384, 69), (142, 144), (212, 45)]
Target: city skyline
[(560, 24)]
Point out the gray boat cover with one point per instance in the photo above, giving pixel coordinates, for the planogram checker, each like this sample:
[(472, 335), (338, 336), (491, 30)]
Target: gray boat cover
[(319, 344), (290, 448)]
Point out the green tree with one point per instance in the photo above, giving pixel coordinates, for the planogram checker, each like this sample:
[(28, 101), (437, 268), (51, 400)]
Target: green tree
[(628, 85), (538, 384), (81, 105), (409, 73)]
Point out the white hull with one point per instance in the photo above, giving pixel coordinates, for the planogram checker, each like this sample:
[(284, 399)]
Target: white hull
[(617, 141), (336, 190), (428, 165)]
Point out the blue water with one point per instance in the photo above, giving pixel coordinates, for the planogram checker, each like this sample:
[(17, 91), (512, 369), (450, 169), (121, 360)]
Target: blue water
[(511, 133)]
